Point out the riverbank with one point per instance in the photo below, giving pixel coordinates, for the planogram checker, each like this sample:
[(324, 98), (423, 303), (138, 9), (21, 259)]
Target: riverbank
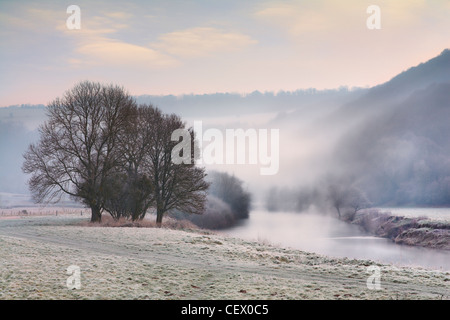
[(419, 231), (160, 263)]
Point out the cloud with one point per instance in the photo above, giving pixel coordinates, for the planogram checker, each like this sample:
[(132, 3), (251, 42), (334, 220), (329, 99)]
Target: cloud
[(201, 41), (104, 51), (301, 18), (29, 23), (98, 25), (98, 43), (118, 15), (332, 16)]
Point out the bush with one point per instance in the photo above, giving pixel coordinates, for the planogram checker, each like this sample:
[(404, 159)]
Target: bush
[(217, 215), (227, 202), (229, 189)]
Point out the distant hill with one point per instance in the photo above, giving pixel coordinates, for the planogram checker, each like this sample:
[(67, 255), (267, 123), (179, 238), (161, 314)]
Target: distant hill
[(29, 116), (383, 96), (402, 157), (435, 70), (397, 143), (226, 104), (391, 141)]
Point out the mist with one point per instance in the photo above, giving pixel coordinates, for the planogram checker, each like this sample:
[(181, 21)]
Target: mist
[(313, 231), (14, 139), (390, 141)]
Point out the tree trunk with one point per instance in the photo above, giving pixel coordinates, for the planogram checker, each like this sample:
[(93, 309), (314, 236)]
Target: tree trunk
[(96, 215), (159, 217), (339, 211)]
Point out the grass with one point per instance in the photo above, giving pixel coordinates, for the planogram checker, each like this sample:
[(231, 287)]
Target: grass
[(169, 223), (161, 263)]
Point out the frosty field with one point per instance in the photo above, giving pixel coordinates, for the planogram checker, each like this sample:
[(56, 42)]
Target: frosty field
[(151, 263)]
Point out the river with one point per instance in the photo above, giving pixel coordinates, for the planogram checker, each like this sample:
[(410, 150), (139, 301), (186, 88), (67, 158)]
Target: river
[(328, 236)]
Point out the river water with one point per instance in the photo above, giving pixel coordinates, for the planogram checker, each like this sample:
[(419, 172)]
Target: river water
[(328, 236)]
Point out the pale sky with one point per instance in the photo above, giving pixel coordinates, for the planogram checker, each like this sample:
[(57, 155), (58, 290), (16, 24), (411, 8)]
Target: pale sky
[(208, 46)]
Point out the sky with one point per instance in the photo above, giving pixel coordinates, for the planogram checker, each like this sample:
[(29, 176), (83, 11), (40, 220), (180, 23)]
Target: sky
[(208, 46)]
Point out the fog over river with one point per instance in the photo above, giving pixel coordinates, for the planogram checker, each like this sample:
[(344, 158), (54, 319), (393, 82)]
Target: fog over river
[(326, 235)]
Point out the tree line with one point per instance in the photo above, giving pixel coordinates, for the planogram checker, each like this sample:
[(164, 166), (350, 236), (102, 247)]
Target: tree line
[(102, 148), (332, 194)]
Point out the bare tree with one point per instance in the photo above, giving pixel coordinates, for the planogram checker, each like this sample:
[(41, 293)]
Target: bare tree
[(337, 196), (77, 152), (175, 186), (130, 190), (128, 195), (357, 200), (342, 196)]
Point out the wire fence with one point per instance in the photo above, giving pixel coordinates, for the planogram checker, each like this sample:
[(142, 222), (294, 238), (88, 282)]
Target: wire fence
[(25, 212)]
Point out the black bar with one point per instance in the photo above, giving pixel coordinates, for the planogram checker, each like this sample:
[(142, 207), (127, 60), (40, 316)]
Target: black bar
[(224, 309)]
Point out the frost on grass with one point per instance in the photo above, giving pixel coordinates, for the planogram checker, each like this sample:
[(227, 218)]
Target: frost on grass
[(142, 263)]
